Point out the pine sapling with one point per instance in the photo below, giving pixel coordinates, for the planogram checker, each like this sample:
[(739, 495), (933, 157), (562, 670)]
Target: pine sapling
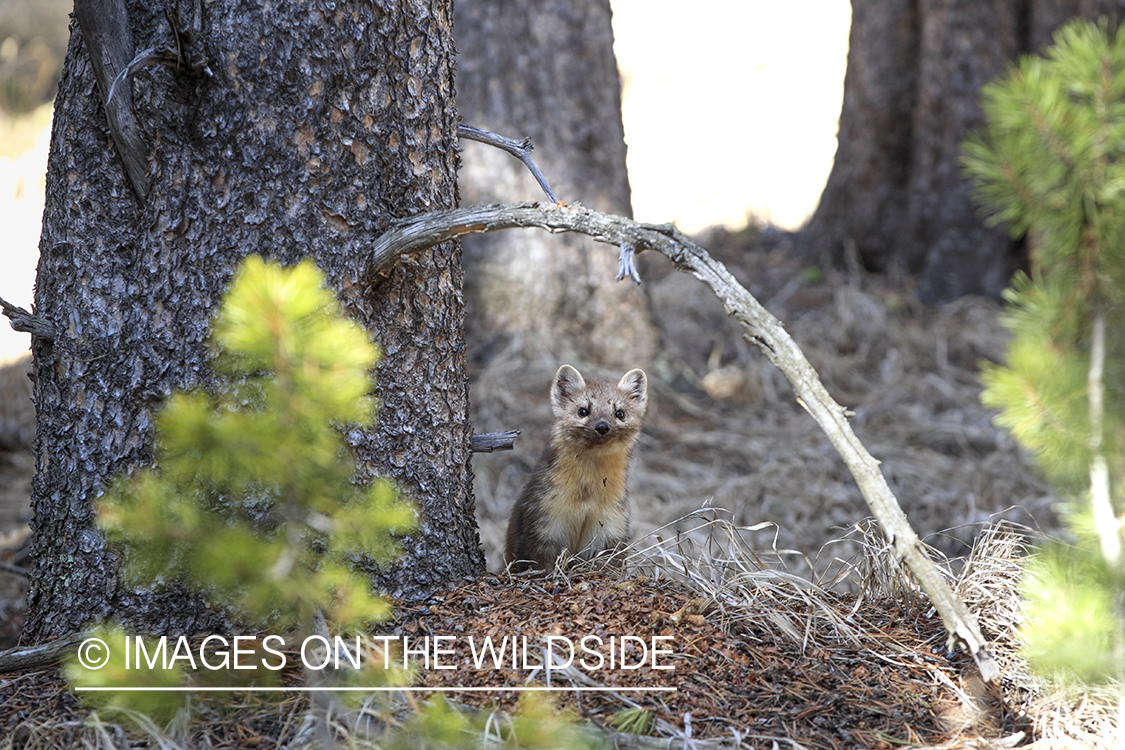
[(252, 499), (1050, 163)]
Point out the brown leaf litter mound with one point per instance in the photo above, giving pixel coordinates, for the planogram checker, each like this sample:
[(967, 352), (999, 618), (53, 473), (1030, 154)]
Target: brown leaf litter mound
[(730, 681), (758, 659)]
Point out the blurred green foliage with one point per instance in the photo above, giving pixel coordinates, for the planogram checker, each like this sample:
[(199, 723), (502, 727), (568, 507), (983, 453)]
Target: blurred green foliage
[(536, 724), (252, 498), (1050, 163), (159, 706), (1069, 626)]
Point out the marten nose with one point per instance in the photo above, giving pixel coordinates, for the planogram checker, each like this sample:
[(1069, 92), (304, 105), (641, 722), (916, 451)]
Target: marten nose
[(601, 428)]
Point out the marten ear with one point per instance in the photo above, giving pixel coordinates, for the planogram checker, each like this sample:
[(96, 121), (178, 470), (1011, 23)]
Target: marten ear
[(568, 381), (635, 383)]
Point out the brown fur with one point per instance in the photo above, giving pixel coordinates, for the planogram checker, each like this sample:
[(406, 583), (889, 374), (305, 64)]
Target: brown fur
[(576, 499)]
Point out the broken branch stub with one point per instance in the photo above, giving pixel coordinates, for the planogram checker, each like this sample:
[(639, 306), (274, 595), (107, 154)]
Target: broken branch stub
[(108, 37), (489, 442), (425, 230), (519, 149)]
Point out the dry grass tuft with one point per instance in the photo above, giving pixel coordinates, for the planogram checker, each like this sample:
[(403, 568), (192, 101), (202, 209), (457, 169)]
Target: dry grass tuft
[(738, 585), (990, 584)]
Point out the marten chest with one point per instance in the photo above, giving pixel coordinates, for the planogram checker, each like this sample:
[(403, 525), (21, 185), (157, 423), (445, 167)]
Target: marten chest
[(587, 506)]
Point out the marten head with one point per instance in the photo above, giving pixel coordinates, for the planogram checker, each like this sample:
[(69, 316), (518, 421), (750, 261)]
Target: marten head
[(598, 412)]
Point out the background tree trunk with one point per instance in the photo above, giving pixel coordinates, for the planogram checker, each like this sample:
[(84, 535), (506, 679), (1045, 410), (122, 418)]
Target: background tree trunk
[(911, 95), (318, 128), (546, 69)]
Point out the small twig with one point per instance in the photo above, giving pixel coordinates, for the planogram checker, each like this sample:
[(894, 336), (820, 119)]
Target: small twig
[(487, 442), (427, 230), (108, 38), (625, 264), (144, 59), (26, 322), (520, 149)]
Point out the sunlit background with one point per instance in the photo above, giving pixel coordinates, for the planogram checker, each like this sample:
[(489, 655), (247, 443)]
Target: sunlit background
[(730, 114), (730, 108)]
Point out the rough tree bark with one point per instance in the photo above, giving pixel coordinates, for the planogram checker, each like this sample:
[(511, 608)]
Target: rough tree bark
[(546, 69), (321, 125), (911, 95)]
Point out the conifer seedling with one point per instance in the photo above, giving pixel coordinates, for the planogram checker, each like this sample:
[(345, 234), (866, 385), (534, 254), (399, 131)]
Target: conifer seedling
[(252, 499), (1050, 163)]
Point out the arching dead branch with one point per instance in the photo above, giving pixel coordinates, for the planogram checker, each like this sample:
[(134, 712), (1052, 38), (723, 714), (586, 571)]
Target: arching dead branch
[(761, 328)]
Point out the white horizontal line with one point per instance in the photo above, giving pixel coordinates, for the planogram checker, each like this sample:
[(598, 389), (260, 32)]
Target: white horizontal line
[(227, 689)]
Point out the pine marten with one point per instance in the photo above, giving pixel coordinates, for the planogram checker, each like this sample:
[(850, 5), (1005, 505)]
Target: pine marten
[(576, 499)]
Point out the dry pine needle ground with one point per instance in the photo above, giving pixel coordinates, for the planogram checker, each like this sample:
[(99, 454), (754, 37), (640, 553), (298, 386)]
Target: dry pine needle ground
[(730, 683), (761, 656), (757, 659)]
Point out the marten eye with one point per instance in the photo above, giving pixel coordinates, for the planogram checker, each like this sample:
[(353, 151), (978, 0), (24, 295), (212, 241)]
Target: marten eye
[(583, 411), (620, 414)]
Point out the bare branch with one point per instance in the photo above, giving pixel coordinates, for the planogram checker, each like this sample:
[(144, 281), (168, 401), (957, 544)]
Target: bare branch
[(488, 442), (32, 657), (24, 321), (425, 230), (520, 149), (144, 59)]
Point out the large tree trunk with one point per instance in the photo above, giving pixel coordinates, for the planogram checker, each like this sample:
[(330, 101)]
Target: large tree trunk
[(318, 128), (911, 95), (546, 69)]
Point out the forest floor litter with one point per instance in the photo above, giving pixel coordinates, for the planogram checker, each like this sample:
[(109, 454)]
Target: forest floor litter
[(790, 620)]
